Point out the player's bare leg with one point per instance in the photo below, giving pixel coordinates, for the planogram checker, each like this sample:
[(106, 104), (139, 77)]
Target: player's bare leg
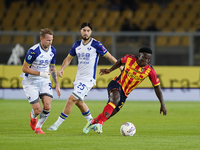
[(46, 100), (36, 109), (64, 114), (84, 110)]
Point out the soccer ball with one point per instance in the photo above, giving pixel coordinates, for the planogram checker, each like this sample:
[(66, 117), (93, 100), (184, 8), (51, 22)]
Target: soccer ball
[(128, 129)]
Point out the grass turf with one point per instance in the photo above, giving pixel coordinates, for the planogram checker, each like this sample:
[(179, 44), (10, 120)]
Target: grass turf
[(178, 130)]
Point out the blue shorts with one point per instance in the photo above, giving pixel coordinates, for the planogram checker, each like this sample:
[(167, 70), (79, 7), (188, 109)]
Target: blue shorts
[(113, 85)]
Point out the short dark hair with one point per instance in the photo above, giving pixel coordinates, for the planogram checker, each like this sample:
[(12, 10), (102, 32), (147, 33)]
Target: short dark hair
[(86, 24), (145, 50)]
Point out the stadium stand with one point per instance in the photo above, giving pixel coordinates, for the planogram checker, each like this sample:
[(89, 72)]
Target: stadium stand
[(67, 15)]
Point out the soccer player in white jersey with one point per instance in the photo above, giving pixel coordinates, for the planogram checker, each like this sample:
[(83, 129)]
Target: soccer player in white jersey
[(36, 82), (87, 51)]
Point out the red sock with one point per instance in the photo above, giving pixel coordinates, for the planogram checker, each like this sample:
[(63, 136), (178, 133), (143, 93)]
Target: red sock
[(95, 120), (108, 109)]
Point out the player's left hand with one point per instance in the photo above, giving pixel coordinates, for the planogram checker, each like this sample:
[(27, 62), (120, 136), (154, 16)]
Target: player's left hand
[(60, 73), (163, 109), (58, 90)]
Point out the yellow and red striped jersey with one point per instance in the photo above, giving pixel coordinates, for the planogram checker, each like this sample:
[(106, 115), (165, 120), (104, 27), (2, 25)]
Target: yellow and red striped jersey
[(133, 74)]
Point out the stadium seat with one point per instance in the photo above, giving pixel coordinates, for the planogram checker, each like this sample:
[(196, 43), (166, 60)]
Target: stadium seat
[(144, 6), (108, 41), (99, 38), (126, 14), (96, 22), (33, 21), (183, 7), (47, 19), (173, 23), (92, 6), (140, 14), (174, 41), (29, 40), (8, 20), (53, 6), (72, 19), (20, 23), (101, 29), (185, 41), (154, 7), (68, 40), (165, 14), (5, 39), (78, 6), (18, 39), (110, 20), (161, 41), (57, 40), (16, 5), (171, 6), (161, 23), (101, 14)]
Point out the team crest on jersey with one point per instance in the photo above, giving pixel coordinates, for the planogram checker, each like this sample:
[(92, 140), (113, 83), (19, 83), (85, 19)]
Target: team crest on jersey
[(89, 48), (29, 57), (142, 69)]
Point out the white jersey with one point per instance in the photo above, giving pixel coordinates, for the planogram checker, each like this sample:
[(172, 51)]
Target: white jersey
[(39, 59), (88, 56)]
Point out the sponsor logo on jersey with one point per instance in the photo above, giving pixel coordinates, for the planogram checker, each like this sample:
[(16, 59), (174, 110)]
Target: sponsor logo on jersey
[(32, 52)]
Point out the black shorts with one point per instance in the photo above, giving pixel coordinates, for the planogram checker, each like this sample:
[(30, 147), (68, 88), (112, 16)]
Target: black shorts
[(113, 85)]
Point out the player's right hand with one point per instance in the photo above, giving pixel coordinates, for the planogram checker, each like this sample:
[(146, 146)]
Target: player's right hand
[(45, 74), (104, 71)]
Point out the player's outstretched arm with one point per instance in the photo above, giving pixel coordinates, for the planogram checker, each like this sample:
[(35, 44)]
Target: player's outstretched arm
[(107, 71), (65, 63), (113, 60), (158, 92)]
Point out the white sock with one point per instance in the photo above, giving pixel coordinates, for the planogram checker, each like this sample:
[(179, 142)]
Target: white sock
[(60, 119), (43, 117), (33, 115), (87, 115)]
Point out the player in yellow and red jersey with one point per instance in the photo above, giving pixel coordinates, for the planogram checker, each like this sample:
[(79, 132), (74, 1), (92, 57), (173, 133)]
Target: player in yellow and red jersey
[(136, 69)]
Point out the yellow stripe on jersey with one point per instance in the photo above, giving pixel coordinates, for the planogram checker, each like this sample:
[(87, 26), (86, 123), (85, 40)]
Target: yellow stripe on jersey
[(70, 56)]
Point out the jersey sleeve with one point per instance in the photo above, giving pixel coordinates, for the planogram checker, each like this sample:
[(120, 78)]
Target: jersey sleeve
[(30, 56), (124, 59), (72, 51), (53, 61), (100, 49), (154, 78)]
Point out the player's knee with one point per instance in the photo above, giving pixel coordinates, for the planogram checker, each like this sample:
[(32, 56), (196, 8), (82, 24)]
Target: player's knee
[(72, 99), (79, 103), (114, 97), (37, 111), (47, 108)]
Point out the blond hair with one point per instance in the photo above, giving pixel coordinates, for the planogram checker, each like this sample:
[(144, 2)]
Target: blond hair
[(45, 31)]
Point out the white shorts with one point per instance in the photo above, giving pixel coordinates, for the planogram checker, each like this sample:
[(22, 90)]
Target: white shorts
[(35, 88), (81, 89)]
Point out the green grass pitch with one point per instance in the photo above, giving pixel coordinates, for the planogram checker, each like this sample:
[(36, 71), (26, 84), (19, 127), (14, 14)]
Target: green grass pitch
[(179, 130)]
